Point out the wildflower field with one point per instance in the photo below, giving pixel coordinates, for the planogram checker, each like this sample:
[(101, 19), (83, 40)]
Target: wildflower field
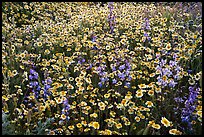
[(93, 68)]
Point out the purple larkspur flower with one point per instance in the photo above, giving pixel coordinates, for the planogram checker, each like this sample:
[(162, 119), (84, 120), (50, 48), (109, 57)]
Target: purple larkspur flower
[(49, 81), (36, 93), (102, 73), (159, 78), (83, 60), (93, 38), (128, 66), (175, 56), (35, 75), (127, 72), (146, 24), (176, 77), (90, 66), (122, 67), (129, 77), (161, 81), (113, 68), (121, 76), (189, 71), (110, 4), (145, 34), (95, 48), (158, 68), (178, 100), (190, 106), (114, 81), (61, 122), (172, 83), (100, 84), (32, 71), (163, 62), (33, 84), (38, 88), (102, 79), (66, 108), (30, 77), (178, 68), (47, 87), (172, 63), (127, 84), (165, 71), (111, 17), (79, 62), (99, 69), (111, 27), (36, 83)]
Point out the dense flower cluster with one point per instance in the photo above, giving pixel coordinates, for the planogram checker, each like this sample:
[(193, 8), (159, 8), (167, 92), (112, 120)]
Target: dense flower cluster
[(115, 68), (189, 106)]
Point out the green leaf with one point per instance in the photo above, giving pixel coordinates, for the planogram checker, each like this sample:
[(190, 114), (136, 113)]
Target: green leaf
[(157, 133), (27, 132), (42, 126), (7, 127), (146, 130), (131, 127), (140, 132)]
